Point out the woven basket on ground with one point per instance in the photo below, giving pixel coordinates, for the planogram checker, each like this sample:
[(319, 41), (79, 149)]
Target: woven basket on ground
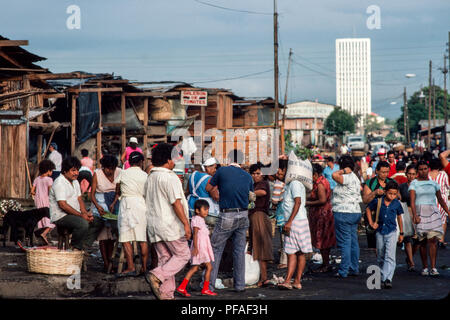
[(54, 261)]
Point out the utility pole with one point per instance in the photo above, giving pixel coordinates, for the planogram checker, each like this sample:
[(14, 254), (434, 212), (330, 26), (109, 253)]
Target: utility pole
[(429, 108), (444, 71), (275, 56), (405, 116), (434, 105), (285, 102)]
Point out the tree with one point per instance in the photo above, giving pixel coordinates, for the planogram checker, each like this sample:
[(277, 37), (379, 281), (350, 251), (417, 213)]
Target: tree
[(301, 152), (417, 110), (338, 122), (371, 124)]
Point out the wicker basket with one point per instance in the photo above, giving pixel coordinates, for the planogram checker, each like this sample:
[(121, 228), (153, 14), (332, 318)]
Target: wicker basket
[(358, 153), (161, 110), (54, 261)]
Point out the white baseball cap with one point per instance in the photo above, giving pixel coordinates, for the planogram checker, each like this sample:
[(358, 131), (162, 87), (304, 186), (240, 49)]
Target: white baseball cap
[(209, 162), (381, 151), (133, 139)]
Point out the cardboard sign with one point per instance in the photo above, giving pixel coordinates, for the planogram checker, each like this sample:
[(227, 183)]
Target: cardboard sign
[(194, 98)]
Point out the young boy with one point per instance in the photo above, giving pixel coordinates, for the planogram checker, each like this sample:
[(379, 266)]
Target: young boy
[(386, 230)]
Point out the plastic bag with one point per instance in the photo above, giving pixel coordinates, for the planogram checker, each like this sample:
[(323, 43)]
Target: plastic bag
[(408, 227), (251, 269)]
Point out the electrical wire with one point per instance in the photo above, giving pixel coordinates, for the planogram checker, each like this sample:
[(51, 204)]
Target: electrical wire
[(231, 9), (234, 78)]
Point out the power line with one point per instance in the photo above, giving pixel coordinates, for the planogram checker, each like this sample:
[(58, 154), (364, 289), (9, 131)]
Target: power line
[(316, 64), (234, 78), (231, 9), (310, 69)]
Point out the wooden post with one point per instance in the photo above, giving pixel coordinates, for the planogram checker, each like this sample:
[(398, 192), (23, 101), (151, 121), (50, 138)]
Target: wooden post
[(275, 56), (124, 135), (26, 111), (39, 138), (434, 105), (73, 126), (146, 131), (429, 108), (285, 103), (203, 116), (99, 133)]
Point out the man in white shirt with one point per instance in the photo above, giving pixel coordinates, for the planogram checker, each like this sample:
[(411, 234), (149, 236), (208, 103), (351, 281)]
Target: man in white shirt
[(56, 158), (167, 222), (344, 149), (67, 208)]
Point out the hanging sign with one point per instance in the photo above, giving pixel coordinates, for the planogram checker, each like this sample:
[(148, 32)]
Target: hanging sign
[(194, 98)]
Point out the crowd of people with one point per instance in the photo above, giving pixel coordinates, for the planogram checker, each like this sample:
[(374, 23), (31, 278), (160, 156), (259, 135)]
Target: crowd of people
[(398, 198)]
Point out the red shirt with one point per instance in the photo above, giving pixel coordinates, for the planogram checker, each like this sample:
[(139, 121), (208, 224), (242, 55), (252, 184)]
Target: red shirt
[(447, 169), (392, 169), (400, 179)]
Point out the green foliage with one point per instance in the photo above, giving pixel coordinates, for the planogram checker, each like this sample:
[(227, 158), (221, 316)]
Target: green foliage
[(391, 139), (418, 110), (300, 152), (390, 122), (338, 122), (371, 124)]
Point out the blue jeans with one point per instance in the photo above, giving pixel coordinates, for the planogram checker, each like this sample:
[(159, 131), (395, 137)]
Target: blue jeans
[(346, 225), (386, 247), (234, 225)]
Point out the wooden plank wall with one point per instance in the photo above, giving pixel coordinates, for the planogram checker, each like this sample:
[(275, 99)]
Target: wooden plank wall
[(12, 161), (16, 104)]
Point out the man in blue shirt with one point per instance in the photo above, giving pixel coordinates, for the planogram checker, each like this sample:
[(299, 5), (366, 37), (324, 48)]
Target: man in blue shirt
[(386, 230), (328, 171), (234, 186)]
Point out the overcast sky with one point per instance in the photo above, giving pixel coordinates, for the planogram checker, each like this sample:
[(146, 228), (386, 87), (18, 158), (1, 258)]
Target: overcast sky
[(185, 40)]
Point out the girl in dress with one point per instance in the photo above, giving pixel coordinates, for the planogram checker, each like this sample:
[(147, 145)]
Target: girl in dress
[(201, 250), (40, 190)]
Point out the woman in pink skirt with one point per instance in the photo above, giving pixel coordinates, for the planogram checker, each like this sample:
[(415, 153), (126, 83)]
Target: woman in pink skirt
[(41, 188), (201, 249)]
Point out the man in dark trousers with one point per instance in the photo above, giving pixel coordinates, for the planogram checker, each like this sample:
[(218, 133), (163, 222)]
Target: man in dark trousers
[(234, 186)]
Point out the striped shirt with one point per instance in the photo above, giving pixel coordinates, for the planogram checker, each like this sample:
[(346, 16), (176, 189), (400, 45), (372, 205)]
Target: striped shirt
[(442, 181)]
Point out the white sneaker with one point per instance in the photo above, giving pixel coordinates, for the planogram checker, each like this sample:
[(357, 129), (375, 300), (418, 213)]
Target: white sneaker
[(434, 272), (425, 272)]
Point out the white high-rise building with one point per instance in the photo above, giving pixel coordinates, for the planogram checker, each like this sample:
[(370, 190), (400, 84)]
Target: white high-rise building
[(353, 76)]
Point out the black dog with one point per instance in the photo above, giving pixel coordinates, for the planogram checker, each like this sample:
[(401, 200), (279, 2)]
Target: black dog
[(26, 219)]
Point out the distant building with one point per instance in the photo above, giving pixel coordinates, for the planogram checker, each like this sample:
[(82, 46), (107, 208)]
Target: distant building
[(353, 76), (305, 121), (378, 118)]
